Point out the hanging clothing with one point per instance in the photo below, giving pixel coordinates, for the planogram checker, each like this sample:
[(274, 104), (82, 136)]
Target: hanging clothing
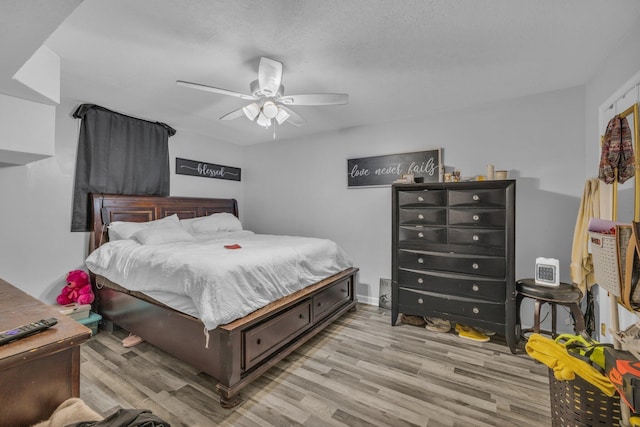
[(582, 272), (617, 152)]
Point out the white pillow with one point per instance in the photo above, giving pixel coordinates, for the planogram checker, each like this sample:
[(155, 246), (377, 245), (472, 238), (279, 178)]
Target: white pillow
[(121, 230), (162, 235), (222, 221)]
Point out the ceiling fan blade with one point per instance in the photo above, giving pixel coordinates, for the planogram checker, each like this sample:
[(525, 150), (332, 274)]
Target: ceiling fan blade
[(316, 99), (233, 115), (214, 90), (294, 118), (269, 76)]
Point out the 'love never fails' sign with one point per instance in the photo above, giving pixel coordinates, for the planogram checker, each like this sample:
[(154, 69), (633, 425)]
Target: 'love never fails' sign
[(425, 166)]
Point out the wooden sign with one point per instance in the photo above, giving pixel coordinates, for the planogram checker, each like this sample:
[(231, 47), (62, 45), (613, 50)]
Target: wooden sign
[(208, 170), (425, 166)]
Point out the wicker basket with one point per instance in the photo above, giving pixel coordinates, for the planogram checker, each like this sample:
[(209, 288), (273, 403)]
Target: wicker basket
[(579, 403), (609, 251)]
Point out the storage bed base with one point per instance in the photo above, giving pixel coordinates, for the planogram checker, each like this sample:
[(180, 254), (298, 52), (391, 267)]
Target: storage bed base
[(232, 348)]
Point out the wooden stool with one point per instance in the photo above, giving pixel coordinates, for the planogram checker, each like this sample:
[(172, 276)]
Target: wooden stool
[(565, 294)]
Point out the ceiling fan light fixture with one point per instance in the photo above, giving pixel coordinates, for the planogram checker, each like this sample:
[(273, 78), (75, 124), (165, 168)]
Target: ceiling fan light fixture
[(282, 116), (270, 109), (251, 111), (264, 120)]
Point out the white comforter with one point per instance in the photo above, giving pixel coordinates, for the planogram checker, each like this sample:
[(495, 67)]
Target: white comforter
[(223, 284)]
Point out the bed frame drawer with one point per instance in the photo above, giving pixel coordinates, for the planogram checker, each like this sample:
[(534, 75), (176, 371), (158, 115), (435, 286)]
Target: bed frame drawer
[(329, 299), (264, 339)]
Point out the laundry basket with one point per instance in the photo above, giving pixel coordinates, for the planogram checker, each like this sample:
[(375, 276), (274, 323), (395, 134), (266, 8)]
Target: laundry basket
[(581, 404)]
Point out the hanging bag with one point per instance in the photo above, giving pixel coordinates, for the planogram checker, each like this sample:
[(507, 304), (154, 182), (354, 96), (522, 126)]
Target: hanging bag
[(630, 292)]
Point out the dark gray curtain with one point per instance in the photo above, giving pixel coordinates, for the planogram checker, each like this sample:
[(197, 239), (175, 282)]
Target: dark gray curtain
[(118, 154)]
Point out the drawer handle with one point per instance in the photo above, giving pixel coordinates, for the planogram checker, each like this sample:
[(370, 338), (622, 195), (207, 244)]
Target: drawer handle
[(420, 301), (258, 341), (420, 280), (420, 216), (421, 234), (420, 261), (420, 199), (476, 217), (301, 316), (476, 197), (343, 290), (475, 266), (476, 310), (476, 238), (475, 288)]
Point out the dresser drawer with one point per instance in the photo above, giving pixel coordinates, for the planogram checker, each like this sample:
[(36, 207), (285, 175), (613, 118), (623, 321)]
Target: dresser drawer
[(421, 198), (477, 236), (426, 216), (266, 338), (456, 285), (478, 197), (327, 300), (412, 301), (477, 217), (422, 235), (470, 264)]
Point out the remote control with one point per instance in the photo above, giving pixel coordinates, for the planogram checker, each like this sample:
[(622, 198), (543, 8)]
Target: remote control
[(26, 330)]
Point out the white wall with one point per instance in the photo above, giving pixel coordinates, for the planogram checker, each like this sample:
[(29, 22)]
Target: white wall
[(300, 187), (37, 250), (207, 150)]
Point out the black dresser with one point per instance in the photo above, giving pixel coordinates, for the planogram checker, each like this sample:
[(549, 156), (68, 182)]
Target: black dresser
[(453, 254)]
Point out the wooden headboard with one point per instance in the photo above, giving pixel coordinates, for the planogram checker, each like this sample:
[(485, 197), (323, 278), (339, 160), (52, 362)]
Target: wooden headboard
[(107, 208)]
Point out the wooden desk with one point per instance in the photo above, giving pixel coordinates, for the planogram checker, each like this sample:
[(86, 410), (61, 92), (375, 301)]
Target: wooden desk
[(39, 372)]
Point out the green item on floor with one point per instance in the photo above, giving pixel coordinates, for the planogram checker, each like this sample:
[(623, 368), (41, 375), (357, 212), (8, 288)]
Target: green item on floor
[(584, 347)]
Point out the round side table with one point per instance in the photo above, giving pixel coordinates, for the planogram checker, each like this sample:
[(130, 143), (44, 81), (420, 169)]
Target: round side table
[(565, 294)]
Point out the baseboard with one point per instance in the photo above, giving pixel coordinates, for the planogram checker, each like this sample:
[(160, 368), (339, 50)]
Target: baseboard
[(369, 300)]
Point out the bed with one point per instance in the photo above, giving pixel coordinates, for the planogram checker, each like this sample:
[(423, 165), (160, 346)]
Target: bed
[(233, 353)]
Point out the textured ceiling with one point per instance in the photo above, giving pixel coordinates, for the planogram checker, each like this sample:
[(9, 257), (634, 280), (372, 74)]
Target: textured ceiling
[(396, 59)]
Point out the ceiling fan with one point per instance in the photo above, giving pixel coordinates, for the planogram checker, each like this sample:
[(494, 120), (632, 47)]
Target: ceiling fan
[(269, 101)]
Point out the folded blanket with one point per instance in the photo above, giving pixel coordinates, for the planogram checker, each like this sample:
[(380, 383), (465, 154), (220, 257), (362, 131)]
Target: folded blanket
[(565, 366), (70, 411)]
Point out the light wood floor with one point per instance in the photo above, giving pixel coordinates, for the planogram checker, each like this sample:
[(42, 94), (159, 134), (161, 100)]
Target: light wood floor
[(360, 371)]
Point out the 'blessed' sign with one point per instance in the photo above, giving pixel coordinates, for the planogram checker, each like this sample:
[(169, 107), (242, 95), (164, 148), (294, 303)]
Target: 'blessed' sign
[(209, 170)]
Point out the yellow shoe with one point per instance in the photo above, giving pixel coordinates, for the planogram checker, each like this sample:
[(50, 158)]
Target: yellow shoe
[(469, 333)]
